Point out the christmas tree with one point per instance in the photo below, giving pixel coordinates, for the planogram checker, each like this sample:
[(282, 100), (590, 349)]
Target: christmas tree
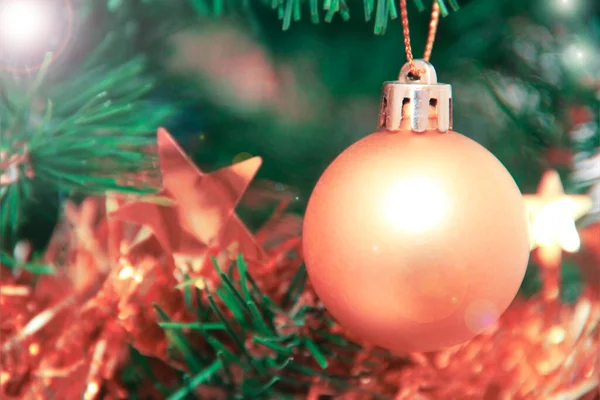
[(157, 158)]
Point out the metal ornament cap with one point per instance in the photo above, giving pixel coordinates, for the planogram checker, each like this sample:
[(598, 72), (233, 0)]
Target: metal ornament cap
[(418, 104)]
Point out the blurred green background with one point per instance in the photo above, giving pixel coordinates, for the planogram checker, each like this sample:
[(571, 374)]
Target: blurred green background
[(228, 81)]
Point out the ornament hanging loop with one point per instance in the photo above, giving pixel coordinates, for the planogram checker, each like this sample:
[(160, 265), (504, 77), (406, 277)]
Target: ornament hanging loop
[(433, 24), (426, 76), (416, 104)]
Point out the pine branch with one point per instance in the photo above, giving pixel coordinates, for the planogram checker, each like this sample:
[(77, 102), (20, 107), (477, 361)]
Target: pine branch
[(289, 11), (86, 134), (272, 349), (384, 10)]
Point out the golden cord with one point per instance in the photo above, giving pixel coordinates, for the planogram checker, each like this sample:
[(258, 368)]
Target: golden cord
[(433, 24)]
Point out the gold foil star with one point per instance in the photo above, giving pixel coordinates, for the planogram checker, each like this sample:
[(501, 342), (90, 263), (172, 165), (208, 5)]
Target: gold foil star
[(195, 211)]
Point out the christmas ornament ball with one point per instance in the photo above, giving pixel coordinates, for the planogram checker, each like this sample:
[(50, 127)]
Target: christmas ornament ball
[(416, 241)]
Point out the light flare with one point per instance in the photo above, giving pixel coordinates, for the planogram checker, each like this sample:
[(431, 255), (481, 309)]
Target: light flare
[(23, 24)]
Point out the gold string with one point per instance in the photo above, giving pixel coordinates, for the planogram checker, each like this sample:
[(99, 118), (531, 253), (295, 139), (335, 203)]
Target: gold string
[(433, 24)]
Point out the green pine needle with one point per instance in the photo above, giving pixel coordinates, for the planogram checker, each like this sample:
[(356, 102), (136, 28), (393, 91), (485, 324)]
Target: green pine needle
[(285, 351), (33, 267), (187, 294), (316, 353), (198, 379), (181, 343), (139, 372), (210, 326), (259, 391), (258, 320), (243, 271)]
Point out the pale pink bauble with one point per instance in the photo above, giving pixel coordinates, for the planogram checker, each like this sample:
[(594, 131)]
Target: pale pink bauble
[(416, 242)]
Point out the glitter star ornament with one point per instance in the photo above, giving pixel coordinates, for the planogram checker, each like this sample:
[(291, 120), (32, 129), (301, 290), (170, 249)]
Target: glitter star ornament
[(552, 214), (195, 211)]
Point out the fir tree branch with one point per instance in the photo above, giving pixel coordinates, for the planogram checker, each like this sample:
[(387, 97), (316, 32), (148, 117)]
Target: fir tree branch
[(86, 134), (385, 10), (249, 333), (289, 11)]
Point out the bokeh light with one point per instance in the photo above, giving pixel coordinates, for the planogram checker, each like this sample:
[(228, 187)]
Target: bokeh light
[(22, 24), (566, 6), (554, 225), (30, 29), (578, 55)]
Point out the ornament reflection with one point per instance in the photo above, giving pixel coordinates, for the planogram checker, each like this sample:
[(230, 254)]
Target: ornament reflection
[(415, 204)]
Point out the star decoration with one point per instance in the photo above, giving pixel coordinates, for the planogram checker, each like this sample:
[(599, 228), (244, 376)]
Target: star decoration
[(553, 214), (194, 213)]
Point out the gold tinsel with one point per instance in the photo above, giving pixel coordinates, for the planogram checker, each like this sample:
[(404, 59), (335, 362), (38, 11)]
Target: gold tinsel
[(67, 335)]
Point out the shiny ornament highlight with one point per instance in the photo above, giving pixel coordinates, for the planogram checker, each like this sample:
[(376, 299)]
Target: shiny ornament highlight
[(416, 241)]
